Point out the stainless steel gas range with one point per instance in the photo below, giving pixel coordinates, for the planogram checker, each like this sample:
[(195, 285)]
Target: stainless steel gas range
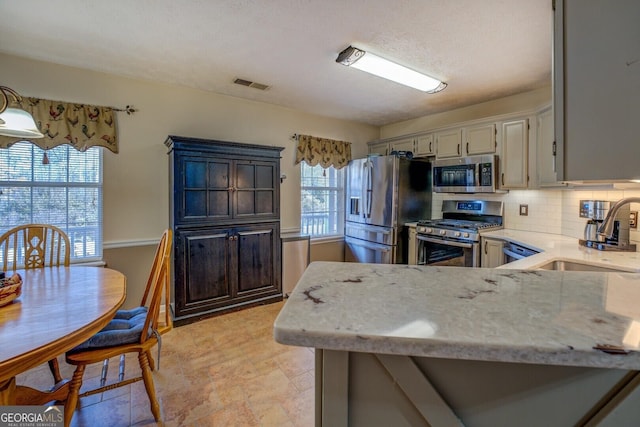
[(455, 239)]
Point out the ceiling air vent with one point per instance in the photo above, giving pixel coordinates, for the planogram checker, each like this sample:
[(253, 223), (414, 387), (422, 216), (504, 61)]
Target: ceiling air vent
[(249, 83)]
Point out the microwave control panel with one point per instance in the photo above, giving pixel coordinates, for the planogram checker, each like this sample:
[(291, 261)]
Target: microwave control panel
[(486, 174)]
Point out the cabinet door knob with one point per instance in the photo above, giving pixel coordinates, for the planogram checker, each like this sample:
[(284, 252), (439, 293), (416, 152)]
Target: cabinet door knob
[(467, 148), (502, 178), (485, 247), (430, 147), (458, 149)]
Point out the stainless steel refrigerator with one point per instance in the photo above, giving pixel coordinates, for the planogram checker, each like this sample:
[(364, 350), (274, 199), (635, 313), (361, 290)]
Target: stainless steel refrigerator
[(382, 194)]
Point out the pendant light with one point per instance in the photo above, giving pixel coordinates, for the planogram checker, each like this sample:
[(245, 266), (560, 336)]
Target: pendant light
[(15, 122)]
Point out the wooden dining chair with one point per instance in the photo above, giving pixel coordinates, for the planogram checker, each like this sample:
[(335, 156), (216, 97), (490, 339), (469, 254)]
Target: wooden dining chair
[(35, 246), (131, 331)]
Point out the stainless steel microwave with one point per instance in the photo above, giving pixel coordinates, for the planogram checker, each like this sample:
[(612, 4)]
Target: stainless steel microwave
[(472, 174)]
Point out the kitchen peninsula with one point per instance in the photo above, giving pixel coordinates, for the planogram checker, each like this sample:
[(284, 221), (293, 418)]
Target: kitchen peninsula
[(415, 345)]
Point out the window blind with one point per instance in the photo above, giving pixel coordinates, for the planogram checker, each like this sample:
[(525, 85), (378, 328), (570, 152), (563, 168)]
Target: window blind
[(322, 200), (65, 192)]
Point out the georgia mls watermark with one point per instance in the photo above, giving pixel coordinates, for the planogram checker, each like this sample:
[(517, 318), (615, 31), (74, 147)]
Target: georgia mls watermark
[(31, 416)]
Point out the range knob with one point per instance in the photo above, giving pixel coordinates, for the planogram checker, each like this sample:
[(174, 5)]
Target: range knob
[(465, 235), (443, 232), (457, 234), (428, 230)]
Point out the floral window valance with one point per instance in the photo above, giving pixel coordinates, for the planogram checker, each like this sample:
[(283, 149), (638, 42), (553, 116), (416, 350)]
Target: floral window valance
[(80, 125), (322, 151)]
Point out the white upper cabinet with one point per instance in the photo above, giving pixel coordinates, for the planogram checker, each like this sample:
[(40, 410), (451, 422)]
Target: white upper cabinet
[(546, 150), (597, 89), (514, 161), (466, 141), (480, 140), (449, 143), (379, 147), (420, 145), (425, 145), (402, 145)]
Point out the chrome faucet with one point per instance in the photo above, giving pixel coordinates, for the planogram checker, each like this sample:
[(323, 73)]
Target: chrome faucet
[(606, 228)]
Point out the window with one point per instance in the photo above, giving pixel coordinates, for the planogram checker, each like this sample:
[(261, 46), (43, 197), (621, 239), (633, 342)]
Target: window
[(322, 202), (66, 192)]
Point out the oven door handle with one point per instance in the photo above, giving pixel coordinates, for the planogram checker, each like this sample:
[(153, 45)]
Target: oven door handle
[(445, 242)]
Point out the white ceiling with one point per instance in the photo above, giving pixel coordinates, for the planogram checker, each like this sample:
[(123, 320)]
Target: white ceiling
[(484, 49)]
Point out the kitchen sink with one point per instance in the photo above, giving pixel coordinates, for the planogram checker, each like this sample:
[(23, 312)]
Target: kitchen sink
[(562, 265)]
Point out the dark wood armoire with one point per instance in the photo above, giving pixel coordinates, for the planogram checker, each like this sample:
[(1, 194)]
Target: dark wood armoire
[(225, 213)]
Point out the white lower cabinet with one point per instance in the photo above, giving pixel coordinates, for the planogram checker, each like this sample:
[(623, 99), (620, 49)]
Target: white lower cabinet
[(412, 246), (492, 255)]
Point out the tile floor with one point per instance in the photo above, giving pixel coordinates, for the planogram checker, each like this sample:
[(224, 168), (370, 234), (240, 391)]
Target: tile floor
[(222, 371)]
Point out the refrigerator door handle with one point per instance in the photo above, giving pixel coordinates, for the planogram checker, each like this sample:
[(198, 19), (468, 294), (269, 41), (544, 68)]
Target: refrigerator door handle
[(378, 247), (369, 188), (363, 189)]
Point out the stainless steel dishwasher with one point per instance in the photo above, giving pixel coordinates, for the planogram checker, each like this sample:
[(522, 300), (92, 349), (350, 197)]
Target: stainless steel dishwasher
[(513, 252), (295, 259)]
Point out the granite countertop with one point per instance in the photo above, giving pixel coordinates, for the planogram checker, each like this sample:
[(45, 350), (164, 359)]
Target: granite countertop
[(558, 247), (542, 317)]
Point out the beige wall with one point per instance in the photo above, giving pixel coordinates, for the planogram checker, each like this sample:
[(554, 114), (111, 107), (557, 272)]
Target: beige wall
[(327, 251), (135, 263), (136, 200)]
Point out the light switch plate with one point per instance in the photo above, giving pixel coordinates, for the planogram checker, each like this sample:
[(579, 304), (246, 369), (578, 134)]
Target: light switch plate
[(524, 210)]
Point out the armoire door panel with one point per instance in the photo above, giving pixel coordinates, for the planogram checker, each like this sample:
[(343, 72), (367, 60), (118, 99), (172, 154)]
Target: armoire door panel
[(219, 204), (195, 174), (207, 272), (195, 204), (265, 176), (265, 202), (219, 174), (245, 175), (255, 259), (245, 202)]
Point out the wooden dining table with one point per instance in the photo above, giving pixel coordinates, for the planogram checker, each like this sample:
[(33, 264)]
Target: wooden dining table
[(60, 307)]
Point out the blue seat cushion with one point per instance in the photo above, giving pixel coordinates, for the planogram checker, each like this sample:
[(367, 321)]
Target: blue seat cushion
[(124, 328), (128, 314)]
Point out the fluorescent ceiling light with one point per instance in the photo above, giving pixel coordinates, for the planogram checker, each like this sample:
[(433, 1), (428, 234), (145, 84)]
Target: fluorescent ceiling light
[(374, 64)]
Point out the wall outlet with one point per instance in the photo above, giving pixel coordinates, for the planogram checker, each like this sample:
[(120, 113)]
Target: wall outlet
[(633, 219), (524, 210)]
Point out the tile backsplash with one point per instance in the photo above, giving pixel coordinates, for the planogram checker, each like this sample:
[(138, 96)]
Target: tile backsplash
[(549, 211)]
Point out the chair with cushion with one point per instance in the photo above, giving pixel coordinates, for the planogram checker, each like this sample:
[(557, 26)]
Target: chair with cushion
[(130, 331), (35, 246)]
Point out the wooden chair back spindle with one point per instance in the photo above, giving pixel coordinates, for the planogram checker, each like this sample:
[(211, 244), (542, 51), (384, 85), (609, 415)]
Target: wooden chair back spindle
[(34, 246)]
